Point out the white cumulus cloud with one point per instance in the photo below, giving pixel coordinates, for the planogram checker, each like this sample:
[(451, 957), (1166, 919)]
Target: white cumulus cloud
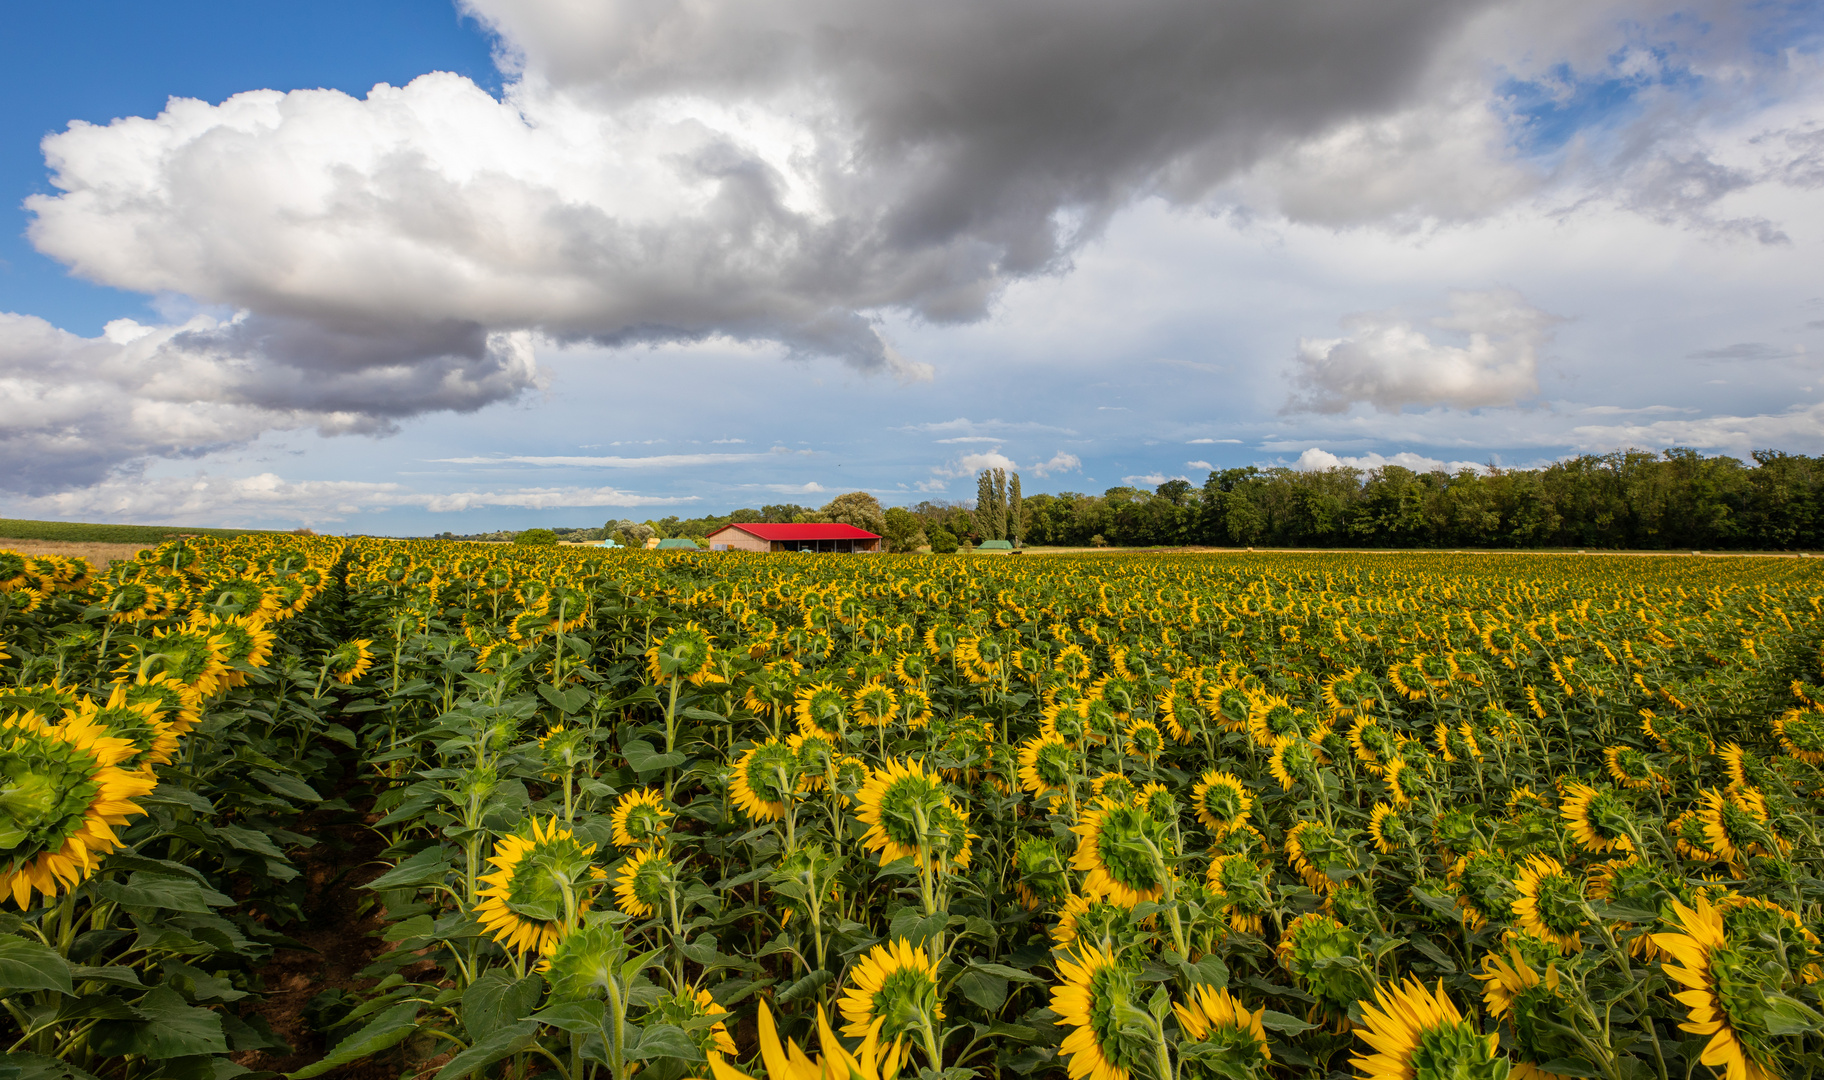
[(1316, 460), (1388, 362)]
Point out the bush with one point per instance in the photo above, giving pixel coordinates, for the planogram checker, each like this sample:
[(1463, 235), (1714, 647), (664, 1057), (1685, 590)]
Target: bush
[(943, 541), (536, 538)]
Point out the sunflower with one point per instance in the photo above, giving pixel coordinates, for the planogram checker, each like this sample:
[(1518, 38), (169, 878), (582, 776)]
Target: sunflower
[(640, 819), (1113, 785), (1144, 740), (685, 1010), (1314, 850), (910, 816), (874, 705), (1632, 768), (1047, 763), (1315, 948), (140, 723), (915, 707), (1094, 985), (1238, 889), (1551, 903), (1598, 818), (822, 706), (788, 1062), (1182, 711), (1485, 887), (1726, 993), (350, 660), (543, 885), (1122, 851), (1157, 800), (1529, 1004), (245, 637), (1090, 921), (1801, 734), (564, 749), (1218, 1026), (643, 887), (1735, 825), (1293, 759), (191, 657), (911, 670), (1221, 801), (894, 982), (1388, 828), (1417, 1032), (765, 777), (62, 795), (1042, 880), (686, 652)]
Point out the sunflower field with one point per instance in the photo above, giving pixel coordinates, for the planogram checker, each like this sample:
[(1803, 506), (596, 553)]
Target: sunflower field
[(717, 815)]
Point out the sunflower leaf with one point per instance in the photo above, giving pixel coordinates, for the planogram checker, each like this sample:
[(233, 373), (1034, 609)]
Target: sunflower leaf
[(145, 890), (804, 987), (38, 1067), (496, 1000), (503, 1042), (171, 1029), (987, 991), (1284, 1022), (27, 965), (428, 867), (666, 1041)]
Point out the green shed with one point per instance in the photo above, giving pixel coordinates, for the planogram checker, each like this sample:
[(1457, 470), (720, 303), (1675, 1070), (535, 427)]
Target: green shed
[(995, 545), (680, 543)]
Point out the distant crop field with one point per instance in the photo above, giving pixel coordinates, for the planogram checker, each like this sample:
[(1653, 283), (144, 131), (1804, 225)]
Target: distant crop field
[(77, 532)]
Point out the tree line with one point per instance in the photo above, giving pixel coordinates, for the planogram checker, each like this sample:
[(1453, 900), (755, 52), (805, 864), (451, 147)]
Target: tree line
[(1627, 499)]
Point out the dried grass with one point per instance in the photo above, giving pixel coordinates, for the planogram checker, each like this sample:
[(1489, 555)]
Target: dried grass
[(99, 555)]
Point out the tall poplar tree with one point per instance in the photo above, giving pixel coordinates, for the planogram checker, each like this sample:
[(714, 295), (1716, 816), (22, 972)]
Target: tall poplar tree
[(1016, 524), (984, 505), (1000, 504)]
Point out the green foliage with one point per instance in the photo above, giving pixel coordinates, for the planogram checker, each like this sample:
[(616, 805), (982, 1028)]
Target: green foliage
[(77, 532), (536, 538), (857, 508), (903, 530)]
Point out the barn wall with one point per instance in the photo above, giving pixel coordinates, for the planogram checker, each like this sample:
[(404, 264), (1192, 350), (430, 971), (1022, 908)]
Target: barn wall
[(740, 541)]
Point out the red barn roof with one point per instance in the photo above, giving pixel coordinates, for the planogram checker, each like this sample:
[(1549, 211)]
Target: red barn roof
[(801, 532)]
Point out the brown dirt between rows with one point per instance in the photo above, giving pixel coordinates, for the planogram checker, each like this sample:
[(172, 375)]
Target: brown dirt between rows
[(342, 942)]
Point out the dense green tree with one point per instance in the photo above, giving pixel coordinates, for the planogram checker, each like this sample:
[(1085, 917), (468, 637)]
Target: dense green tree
[(904, 531), (857, 508)]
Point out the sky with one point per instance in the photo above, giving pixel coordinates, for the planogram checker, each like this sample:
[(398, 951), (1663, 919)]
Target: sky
[(412, 266)]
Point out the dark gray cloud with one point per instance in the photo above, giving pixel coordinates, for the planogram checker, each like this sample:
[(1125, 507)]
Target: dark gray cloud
[(793, 173)]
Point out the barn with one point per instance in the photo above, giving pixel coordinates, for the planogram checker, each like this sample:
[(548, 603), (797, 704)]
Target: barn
[(754, 536)]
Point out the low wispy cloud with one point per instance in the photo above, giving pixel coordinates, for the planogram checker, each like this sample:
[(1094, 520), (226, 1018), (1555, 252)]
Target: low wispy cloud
[(1750, 350), (654, 461), (808, 488), (1199, 465), (268, 497)]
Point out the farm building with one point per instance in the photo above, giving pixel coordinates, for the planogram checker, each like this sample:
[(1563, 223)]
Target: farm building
[(995, 545), (677, 543), (753, 536)]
